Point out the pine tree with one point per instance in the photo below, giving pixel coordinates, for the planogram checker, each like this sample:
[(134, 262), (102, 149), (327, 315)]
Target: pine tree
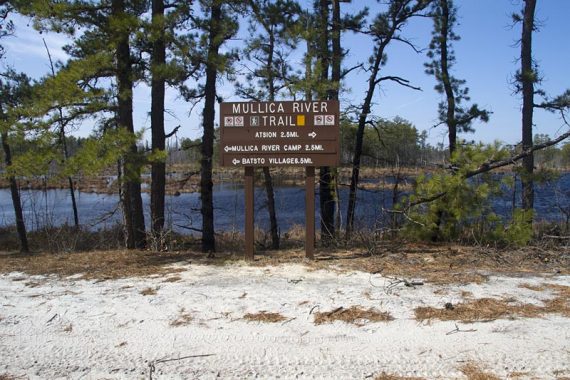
[(385, 28), (158, 90), (106, 28), (322, 31), (456, 117), (62, 140), (15, 90), (527, 77), (218, 26), (269, 48), (171, 53)]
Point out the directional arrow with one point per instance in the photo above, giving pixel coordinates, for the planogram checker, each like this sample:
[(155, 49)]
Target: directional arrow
[(313, 134), (226, 148), (235, 161)]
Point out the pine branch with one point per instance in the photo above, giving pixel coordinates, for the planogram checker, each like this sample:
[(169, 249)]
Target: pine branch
[(169, 135), (488, 166), (399, 80)]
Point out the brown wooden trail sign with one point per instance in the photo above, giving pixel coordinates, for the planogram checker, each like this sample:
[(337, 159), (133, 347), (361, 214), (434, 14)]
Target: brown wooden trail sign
[(289, 133), (280, 134)]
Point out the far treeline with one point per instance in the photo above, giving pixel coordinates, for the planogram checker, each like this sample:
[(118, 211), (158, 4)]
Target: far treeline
[(115, 45)]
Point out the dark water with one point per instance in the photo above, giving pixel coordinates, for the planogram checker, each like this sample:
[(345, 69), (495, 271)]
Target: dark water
[(53, 207)]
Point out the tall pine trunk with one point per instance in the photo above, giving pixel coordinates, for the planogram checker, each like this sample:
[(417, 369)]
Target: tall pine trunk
[(334, 95), (527, 77), (16, 201), (266, 173), (360, 140), (65, 152), (450, 119), (158, 168), (71, 186), (446, 79), (132, 200), (398, 16), (207, 146), (326, 198)]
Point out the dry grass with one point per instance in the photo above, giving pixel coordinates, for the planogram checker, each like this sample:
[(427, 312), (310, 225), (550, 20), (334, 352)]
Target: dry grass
[(437, 264), (474, 372), (536, 288), (445, 264), (7, 376), (517, 375), (354, 314), (173, 279), (182, 319), (385, 376), (149, 291), (560, 304), (489, 309), (265, 317), (102, 265), (480, 310)]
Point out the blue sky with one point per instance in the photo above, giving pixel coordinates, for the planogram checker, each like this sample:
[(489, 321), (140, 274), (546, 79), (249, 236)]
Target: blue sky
[(486, 59)]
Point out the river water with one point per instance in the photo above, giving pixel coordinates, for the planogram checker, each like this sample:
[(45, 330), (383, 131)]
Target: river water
[(53, 207)]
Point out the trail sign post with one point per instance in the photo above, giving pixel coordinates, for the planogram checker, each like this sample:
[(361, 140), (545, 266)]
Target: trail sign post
[(289, 133)]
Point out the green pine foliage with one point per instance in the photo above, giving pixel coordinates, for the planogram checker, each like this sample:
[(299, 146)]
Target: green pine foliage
[(465, 212)]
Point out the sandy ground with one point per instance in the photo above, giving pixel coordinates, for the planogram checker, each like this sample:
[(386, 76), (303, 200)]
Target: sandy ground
[(191, 325)]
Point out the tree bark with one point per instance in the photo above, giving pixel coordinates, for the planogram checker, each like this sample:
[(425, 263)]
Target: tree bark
[(360, 139), (446, 79), (207, 146), (326, 198), (158, 168), (16, 201), (65, 152), (132, 200), (266, 173), (398, 15), (527, 76)]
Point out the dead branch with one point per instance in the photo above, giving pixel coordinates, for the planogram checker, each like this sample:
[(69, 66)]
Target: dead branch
[(457, 330), (152, 364), (313, 309), (169, 135), (399, 80)]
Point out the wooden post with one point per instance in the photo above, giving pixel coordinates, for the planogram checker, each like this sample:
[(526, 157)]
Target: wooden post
[(249, 219), (309, 212)]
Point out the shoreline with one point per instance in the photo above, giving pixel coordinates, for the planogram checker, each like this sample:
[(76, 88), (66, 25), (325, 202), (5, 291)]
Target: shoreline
[(183, 179)]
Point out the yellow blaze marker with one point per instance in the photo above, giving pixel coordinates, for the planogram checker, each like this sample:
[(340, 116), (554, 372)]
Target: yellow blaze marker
[(301, 120)]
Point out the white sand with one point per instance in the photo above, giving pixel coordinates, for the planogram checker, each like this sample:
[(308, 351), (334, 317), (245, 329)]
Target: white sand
[(53, 328)]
